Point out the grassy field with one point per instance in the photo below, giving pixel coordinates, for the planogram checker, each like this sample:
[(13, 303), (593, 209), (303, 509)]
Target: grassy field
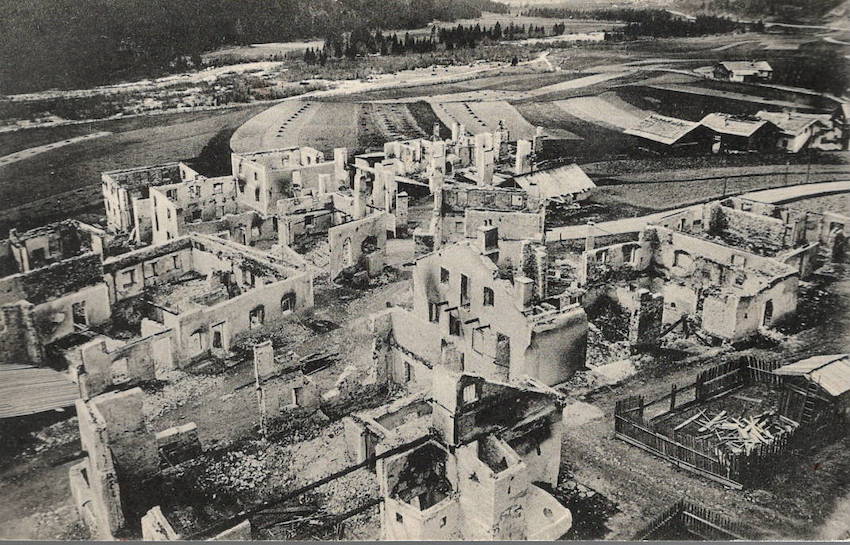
[(549, 116), (657, 196), (66, 181)]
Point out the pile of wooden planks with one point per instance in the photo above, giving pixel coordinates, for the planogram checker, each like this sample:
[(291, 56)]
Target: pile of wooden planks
[(738, 435)]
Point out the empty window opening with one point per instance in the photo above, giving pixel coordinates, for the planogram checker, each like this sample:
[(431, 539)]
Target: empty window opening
[(444, 275), (120, 371), (470, 393), (257, 317), (464, 289), (454, 325), (78, 312), (488, 297), (287, 303)]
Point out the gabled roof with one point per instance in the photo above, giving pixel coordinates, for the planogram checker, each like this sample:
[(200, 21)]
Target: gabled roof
[(790, 123), (555, 182), (734, 125), (831, 372), (747, 67), (663, 129)]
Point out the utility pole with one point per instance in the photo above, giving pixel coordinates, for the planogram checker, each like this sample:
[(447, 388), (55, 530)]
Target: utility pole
[(261, 401)]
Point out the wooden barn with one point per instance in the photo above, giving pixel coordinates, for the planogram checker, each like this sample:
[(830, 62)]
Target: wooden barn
[(816, 386)]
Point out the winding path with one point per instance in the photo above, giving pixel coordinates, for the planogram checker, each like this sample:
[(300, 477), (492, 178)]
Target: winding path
[(31, 152)]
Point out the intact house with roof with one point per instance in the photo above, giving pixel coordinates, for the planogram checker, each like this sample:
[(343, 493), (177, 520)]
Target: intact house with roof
[(664, 134), (475, 312), (207, 290), (264, 177), (51, 286), (479, 460), (738, 133), (726, 271), (743, 71), (798, 131)]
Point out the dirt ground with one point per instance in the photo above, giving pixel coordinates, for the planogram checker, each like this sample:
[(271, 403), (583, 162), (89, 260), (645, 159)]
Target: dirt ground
[(796, 503)]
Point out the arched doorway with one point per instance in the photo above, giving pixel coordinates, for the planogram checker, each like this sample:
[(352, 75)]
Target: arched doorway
[(768, 313)]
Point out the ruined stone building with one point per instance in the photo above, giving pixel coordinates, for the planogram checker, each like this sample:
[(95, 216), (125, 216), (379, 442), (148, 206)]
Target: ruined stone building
[(207, 290), (51, 286), (119, 484), (475, 313), (730, 271), (336, 231), (264, 177), (492, 450), (207, 205), (126, 193)]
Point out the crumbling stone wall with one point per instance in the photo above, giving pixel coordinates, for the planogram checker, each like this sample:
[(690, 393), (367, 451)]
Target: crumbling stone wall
[(53, 281), (99, 367), (19, 339), (346, 244)]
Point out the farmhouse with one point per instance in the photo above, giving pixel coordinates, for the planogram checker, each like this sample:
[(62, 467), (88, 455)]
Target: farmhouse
[(743, 71), (485, 471), (736, 133), (475, 311), (724, 270), (797, 131), (661, 133), (207, 290)]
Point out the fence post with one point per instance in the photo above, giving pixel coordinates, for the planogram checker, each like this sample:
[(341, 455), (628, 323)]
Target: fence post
[(672, 397)]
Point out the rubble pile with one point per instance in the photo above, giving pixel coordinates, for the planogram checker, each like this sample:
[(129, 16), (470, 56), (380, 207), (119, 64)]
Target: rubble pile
[(236, 471), (179, 390), (737, 435), (601, 351)]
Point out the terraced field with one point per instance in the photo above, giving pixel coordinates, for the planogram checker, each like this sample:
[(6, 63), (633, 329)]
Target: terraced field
[(379, 123), (322, 125), (548, 115), (607, 110), (480, 117)]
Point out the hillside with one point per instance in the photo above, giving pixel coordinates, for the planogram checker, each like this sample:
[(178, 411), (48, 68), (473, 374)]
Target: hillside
[(81, 43), (789, 11)]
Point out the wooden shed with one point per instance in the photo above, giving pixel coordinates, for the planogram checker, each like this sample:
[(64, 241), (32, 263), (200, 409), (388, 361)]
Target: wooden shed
[(816, 386)]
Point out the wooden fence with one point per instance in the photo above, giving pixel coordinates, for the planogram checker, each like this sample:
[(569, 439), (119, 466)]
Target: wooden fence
[(700, 456), (686, 517)]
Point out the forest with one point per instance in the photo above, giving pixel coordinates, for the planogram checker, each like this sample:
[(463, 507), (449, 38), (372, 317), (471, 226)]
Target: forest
[(80, 43), (645, 22), (362, 41)]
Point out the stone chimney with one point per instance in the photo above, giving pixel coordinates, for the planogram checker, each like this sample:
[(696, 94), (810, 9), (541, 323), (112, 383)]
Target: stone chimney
[(455, 131), (523, 157), (541, 266), (488, 242), (324, 184), (590, 238), (538, 140), (523, 291), (359, 210), (437, 219), (340, 163)]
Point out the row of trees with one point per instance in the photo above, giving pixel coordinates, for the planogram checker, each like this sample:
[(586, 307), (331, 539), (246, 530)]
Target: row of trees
[(646, 22), (75, 43), (365, 42)]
